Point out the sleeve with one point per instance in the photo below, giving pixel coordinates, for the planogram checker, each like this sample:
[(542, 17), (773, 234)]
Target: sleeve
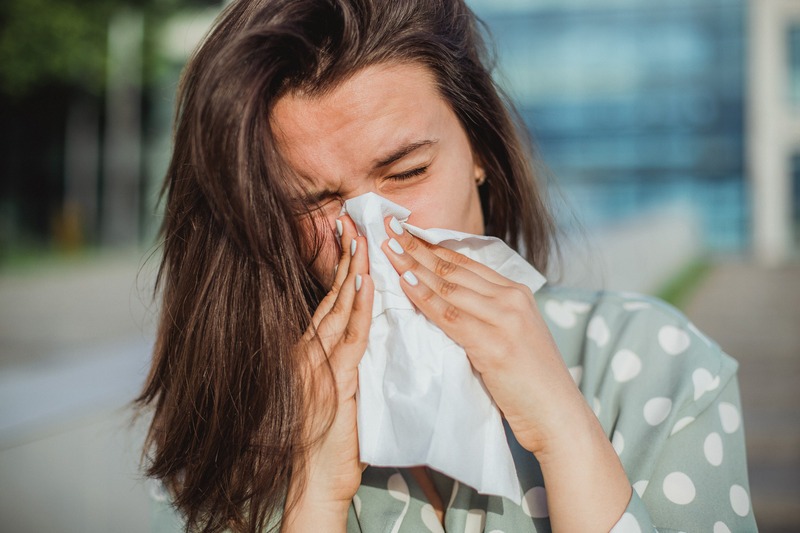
[(668, 399), (699, 480)]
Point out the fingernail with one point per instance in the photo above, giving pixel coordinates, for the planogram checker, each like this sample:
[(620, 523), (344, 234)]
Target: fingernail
[(394, 224), (410, 278), (395, 246), (339, 228), (335, 268), (358, 282), (353, 245)]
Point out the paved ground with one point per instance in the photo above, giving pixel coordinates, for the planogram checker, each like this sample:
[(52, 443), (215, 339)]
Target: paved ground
[(754, 314), (57, 311)]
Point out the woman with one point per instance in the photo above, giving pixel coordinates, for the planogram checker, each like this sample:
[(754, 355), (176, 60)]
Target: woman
[(292, 106)]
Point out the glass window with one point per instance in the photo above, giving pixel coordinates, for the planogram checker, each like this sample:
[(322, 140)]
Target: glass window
[(794, 65)]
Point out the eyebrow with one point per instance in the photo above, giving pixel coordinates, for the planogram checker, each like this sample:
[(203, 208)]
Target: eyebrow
[(403, 151), (385, 161), (318, 197)]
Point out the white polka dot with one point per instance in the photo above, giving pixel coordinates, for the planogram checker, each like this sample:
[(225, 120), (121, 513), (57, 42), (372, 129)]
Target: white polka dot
[(596, 406), (656, 410), (453, 494), (577, 307), (618, 442), (560, 313), (640, 486), (625, 365), (577, 374), (729, 416), (398, 488), (678, 488), (357, 505), (721, 527), (712, 448), (635, 306), (476, 520), (627, 524), (682, 423), (534, 503), (598, 331), (430, 519), (702, 381), (674, 341), (740, 501)]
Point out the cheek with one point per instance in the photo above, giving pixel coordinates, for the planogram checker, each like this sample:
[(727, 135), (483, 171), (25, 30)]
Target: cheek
[(449, 201)]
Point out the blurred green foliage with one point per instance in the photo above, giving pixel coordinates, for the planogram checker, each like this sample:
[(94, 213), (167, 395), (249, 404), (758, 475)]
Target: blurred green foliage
[(54, 61), (680, 288), (64, 42)]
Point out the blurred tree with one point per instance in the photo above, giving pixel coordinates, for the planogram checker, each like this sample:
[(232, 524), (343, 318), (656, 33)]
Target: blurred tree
[(64, 41), (53, 77)]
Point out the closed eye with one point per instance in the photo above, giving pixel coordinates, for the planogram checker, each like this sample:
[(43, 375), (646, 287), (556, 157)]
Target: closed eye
[(409, 174), (332, 203)]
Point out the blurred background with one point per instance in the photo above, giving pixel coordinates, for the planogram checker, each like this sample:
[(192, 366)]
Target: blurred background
[(670, 132)]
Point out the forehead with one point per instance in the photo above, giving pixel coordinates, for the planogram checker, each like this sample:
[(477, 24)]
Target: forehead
[(346, 129)]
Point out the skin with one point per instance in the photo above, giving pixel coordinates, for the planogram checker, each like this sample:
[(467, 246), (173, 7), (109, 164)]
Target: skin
[(333, 143)]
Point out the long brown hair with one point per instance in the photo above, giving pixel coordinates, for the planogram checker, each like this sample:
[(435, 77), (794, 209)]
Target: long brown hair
[(237, 293)]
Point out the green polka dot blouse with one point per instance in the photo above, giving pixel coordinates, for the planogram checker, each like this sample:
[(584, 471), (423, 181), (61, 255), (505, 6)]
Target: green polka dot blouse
[(668, 399)]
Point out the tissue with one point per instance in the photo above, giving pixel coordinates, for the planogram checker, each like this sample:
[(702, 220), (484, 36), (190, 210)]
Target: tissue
[(419, 400)]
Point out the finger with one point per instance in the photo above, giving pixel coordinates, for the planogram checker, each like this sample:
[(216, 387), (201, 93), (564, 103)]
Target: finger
[(459, 324), (462, 297), (353, 342), (485, 272), (454, 266), (333, 324), (345, 231), (471, 271)]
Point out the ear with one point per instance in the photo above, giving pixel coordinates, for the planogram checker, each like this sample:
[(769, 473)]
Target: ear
[(478, 173)]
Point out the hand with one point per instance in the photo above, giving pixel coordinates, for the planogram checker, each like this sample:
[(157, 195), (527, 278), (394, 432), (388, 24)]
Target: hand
[(499, 326), (333, 346)]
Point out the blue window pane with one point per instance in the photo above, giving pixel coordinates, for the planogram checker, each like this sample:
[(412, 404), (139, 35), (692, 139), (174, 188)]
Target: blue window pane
[(634, 103)]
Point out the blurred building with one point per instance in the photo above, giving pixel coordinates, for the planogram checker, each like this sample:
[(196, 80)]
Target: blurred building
[(634, 103), (774, 127)]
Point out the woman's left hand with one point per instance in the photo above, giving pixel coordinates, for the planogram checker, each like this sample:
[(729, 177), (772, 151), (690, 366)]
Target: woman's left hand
[(498, 324)]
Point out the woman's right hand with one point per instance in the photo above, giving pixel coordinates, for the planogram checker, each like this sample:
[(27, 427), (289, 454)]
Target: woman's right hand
[(337, 337)]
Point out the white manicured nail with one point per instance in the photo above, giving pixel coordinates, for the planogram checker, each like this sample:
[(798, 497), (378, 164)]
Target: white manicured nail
[(358, 282), (339, 228), (395, 246), (394, 224), (410, 278), (353, 246)]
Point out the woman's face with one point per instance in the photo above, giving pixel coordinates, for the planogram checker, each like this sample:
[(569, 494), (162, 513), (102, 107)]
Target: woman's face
[(385, 130)]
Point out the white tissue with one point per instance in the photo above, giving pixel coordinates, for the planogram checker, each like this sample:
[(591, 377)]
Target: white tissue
[(419, 400)]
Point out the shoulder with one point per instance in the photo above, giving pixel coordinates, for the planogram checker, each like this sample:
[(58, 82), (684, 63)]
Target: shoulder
[(627, 349)]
